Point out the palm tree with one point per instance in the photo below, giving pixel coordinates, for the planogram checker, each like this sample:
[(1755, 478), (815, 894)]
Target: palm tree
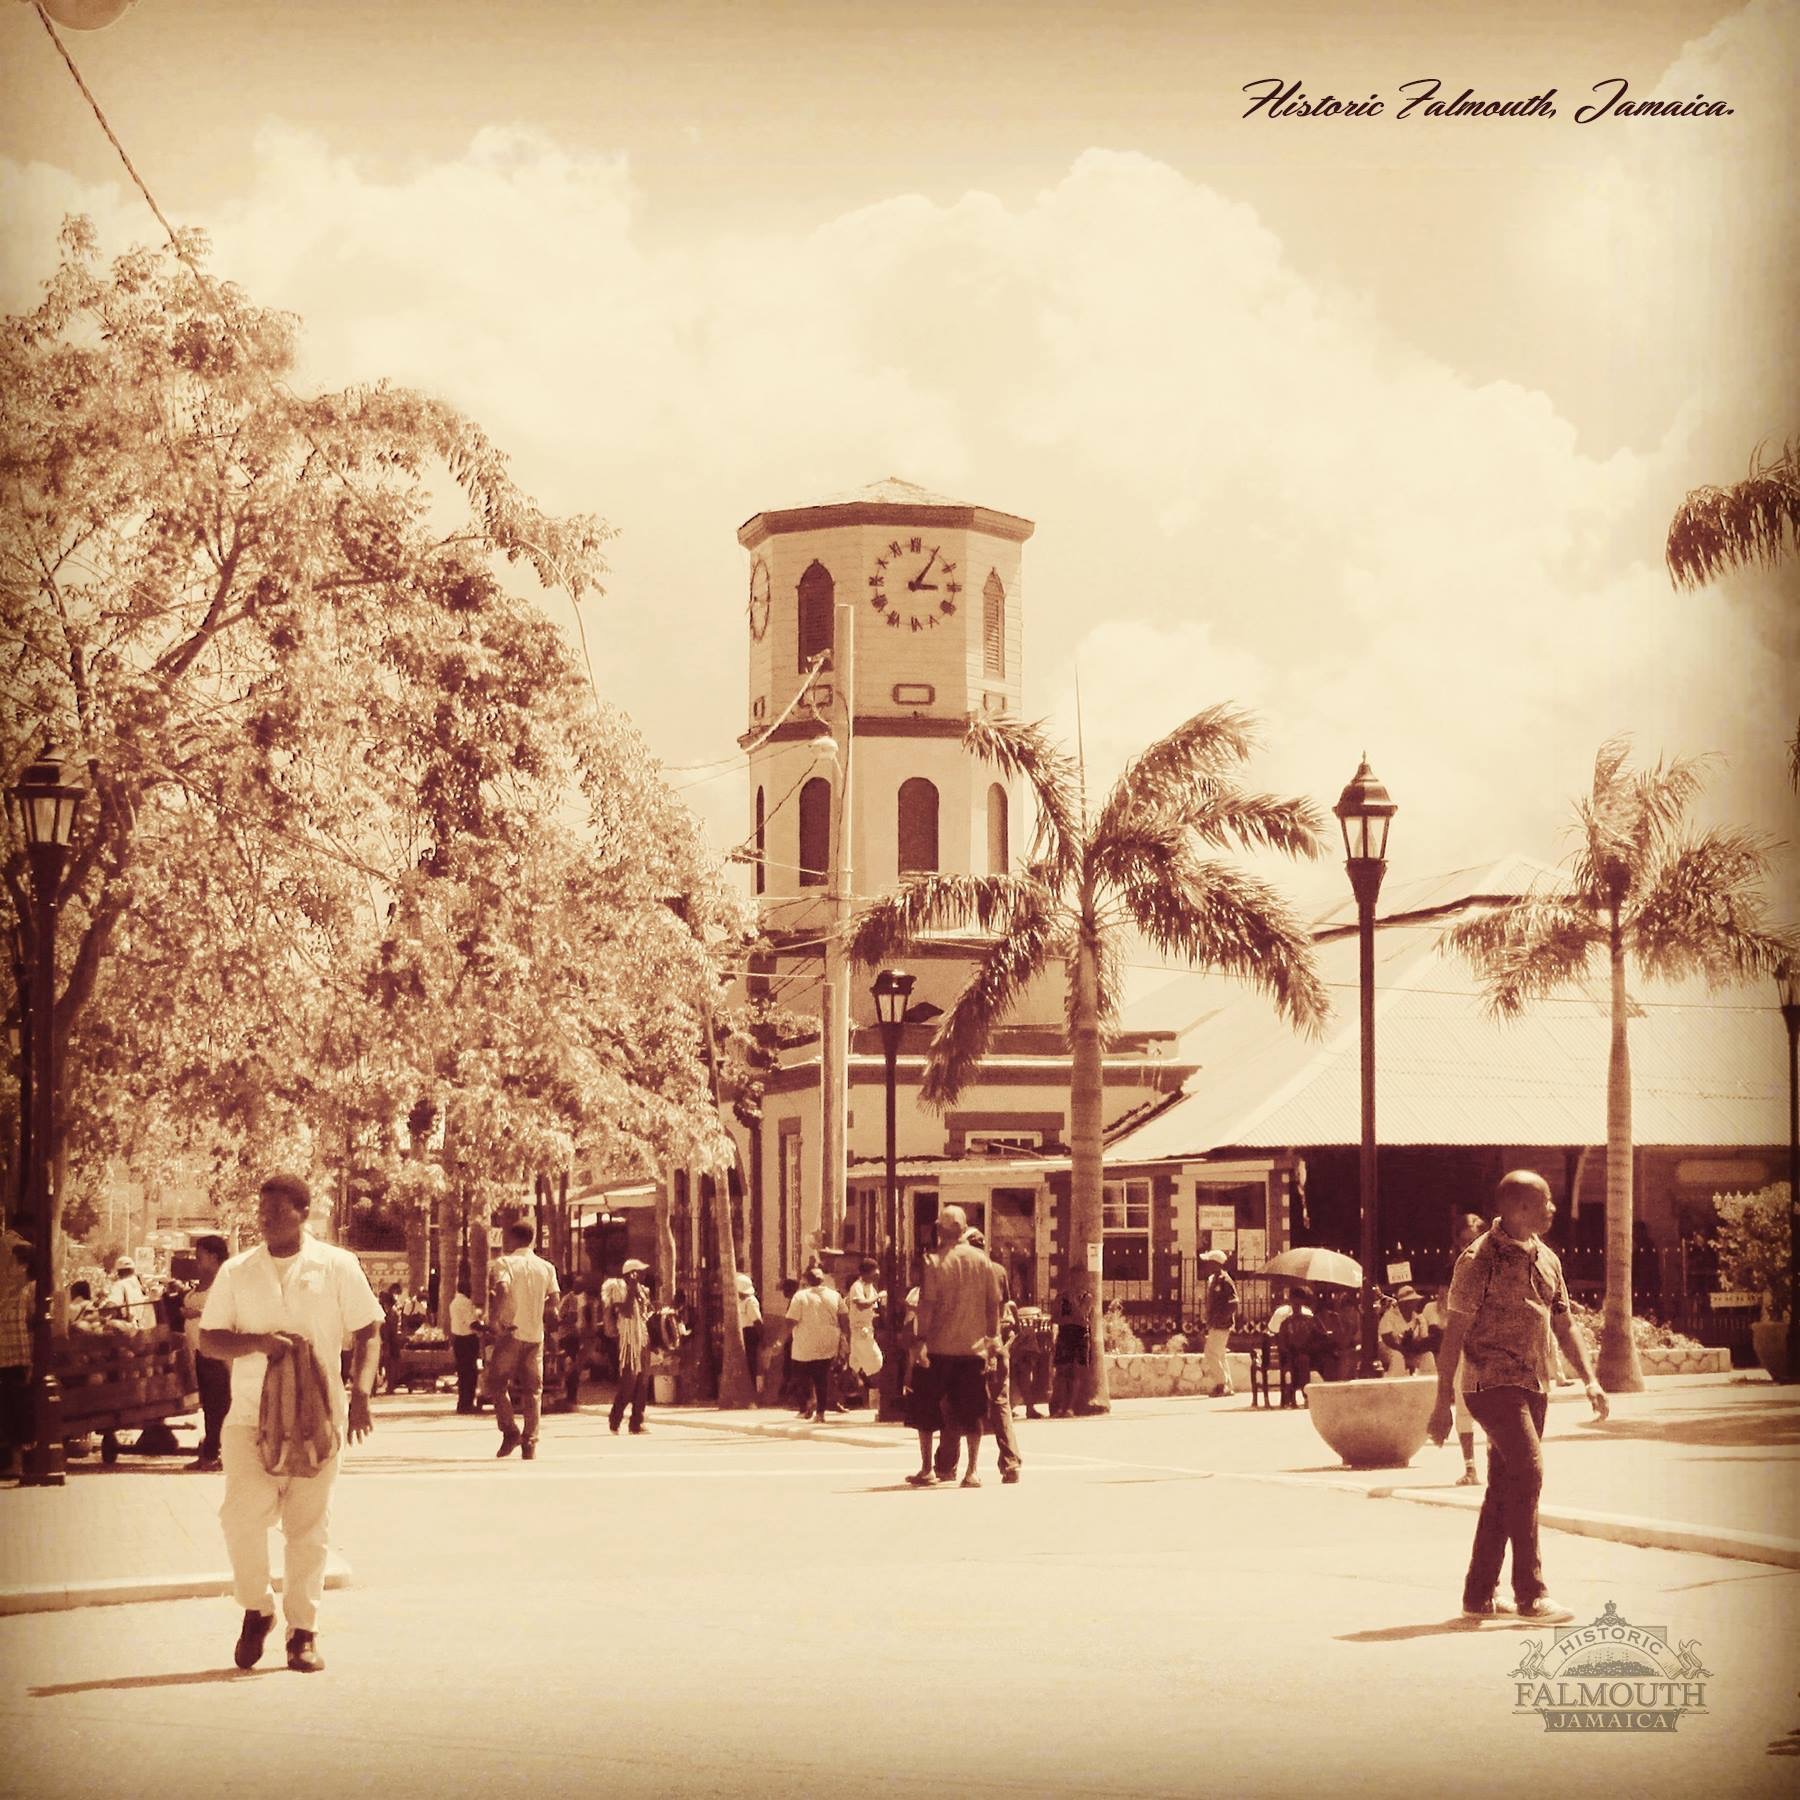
[(1140, 864), (1755, 521), (1639, 889)]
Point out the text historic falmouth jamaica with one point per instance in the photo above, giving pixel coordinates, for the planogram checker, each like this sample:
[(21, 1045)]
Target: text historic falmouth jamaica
[(1427, 97), (1610, 1675)]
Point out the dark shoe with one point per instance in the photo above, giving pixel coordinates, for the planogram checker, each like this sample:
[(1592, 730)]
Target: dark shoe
[(612, 1425), (1009, 1478), (205, 1465), (508, 1444), (639, 1430), (1545, 1611), (303, 1653), (528, 1451), (1031, 1412), (251, 1639)]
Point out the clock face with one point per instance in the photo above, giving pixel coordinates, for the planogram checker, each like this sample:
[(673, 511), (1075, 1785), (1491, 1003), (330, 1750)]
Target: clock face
[(913, 587), (759, 598)]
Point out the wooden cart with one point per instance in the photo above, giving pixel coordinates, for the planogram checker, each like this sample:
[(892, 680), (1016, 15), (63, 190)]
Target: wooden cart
[(117, 1381)]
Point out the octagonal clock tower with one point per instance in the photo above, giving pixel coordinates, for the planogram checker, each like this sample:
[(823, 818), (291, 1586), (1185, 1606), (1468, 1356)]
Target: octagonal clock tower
[(911, 600)]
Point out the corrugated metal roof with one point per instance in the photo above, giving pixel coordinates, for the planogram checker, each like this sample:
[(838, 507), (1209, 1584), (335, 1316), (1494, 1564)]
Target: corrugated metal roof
[(892, 491), (1708, 1068)]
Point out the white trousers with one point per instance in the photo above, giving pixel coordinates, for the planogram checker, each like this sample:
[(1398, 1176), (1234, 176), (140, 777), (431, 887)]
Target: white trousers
[(255, 1503)]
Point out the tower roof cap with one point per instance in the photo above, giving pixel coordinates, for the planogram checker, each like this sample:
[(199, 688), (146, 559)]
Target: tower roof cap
[(887, 502)]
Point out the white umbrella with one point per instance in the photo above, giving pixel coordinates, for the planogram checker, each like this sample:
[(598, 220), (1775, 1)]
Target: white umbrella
[(1327, 1268)]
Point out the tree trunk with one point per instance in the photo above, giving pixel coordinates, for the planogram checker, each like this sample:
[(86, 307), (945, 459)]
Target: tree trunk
[(1618, 1372), (1086, 1123), (737, 1383), (664, 1258)]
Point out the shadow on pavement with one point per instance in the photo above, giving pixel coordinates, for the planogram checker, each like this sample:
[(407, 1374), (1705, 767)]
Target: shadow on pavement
[(1755, 1424), (1454, 1627), (120, 1683)]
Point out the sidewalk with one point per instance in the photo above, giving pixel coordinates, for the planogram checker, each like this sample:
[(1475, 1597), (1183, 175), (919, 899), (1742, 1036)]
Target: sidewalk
[(1695, 1462), (1700, 1463)]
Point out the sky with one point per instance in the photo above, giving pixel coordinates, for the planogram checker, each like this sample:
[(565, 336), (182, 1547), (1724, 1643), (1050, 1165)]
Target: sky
[(1372, 425)]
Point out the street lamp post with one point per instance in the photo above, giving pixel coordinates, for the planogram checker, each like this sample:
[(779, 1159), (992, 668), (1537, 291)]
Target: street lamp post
[(1364, 812), (892, 989), (45, 805), (1790, 1015), (18, 1031)]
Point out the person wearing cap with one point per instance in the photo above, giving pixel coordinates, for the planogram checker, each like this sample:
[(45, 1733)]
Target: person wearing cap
[(750, 1322), (959, 1321), (1219, 1309), (127, 1305), (628, 1313), (1405, 1334)]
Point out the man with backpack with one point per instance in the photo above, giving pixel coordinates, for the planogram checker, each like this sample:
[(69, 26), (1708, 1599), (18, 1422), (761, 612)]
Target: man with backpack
[(1294, 1327), (1220, 1311)]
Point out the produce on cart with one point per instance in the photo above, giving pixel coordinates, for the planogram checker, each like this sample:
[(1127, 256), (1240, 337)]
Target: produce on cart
[(113, 1381)]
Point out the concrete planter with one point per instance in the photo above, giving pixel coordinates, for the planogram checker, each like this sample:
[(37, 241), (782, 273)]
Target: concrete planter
[(1710, 1360), (1373, 1424), (1769, 1336), (1153, 1375)]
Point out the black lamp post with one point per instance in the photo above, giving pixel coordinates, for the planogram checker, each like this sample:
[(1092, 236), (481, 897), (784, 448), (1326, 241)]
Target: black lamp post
[(1790, 1014), (18, 1035), (1365, 811), (45, 804), (892, 989)]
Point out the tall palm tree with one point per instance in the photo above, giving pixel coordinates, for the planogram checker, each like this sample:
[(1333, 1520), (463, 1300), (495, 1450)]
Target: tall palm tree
[(1639, 889), (1139, 865)]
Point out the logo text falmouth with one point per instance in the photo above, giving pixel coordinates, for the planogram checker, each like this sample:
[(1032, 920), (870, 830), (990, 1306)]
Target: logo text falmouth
[(1610, 1676)]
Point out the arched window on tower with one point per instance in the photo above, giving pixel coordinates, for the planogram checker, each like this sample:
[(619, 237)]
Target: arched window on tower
[(762, 842), (918, 822), (815, 832), (993, 626), (816, 606), (997, 848)]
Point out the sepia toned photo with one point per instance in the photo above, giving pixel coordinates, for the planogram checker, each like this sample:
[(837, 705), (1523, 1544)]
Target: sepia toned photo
[(900, 897)]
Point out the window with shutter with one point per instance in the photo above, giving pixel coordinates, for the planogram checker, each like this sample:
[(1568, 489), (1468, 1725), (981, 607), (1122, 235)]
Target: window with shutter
[(918, 827), (993, 626), (817, 593)]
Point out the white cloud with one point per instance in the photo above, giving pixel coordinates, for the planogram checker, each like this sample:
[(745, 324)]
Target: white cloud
[(1245, 488)]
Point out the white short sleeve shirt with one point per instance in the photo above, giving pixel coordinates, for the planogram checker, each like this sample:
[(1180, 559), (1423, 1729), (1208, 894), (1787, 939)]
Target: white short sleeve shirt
[(322, 1294)]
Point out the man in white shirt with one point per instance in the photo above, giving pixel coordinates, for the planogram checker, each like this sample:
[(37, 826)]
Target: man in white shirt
[(290, 1296), (128, 1307), (522, 1282), (464, 1347)]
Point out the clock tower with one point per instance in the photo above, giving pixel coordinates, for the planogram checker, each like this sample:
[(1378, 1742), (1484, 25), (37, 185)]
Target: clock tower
[(878, 622)]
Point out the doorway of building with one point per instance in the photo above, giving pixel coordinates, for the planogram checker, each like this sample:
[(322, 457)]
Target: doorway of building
[(1012, 1240)]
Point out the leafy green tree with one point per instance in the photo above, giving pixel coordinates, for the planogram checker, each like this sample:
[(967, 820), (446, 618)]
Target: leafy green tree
[(1639, 890), (1754, 1243), (357, 831), (1144, 864)]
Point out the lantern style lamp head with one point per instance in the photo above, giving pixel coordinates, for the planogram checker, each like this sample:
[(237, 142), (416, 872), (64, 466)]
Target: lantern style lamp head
[(1788, 980), (892, 989), (46, 801), (1365, 811)]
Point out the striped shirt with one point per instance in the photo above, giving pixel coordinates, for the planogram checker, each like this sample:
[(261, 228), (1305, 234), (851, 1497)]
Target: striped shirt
[(1510, 1294)]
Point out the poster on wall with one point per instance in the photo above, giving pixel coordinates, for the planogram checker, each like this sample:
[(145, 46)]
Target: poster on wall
[(1252, 1249)]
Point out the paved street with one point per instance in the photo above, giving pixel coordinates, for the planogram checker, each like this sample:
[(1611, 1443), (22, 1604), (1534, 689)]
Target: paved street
[(702, 1611)]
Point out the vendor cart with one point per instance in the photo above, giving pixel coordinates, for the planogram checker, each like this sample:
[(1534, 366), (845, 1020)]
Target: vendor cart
[(116, 1381)]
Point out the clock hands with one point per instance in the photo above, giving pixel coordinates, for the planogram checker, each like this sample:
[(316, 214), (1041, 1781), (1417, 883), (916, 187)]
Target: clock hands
[(919, 584)]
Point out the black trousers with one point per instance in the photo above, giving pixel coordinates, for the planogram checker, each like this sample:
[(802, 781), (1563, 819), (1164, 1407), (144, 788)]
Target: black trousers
[(817, 1376), (634, 1392), (465, 1348), (213, 1379)]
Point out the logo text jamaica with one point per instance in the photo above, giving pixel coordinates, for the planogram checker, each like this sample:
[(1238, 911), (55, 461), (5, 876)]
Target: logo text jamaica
[(1610, 1676)]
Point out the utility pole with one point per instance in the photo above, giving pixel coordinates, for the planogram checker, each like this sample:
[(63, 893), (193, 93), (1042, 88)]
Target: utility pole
[(834, 1095)]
